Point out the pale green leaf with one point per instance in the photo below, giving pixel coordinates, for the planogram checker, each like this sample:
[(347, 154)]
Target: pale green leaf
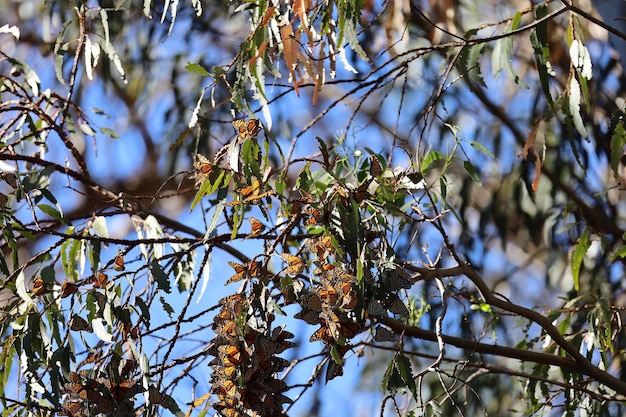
[(99, 225), (22, 291), (502, 56), (206, 274), (11, 30), (196, 69), (146, 8), (574, 106), (98, 328), (482, 149), (579, 54)]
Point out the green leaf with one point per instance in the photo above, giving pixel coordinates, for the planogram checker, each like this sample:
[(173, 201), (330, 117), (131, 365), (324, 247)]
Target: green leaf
[(618, 140), (469, 61), (539, 41), (351, 36), (582, 245), (482, 149), (110, 132), (473, 172), (161, 278), (196, 69), (166, 307), (145, 311), (50, 211), (430, 158), (404, 369)]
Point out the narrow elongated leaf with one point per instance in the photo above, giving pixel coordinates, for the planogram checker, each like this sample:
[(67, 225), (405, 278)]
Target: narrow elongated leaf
[(618, 140), (473, 172), (582, 245), (482, 149), (50, 211), (206, 274), (574, 106), (469, 61), (502, 57), (581, 59)]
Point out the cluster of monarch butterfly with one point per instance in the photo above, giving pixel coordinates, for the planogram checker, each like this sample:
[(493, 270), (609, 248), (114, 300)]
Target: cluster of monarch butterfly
[(331, 303), (109, 391), (245, 365), (251, 194), (41, 287), (246, 129), (203, 167)]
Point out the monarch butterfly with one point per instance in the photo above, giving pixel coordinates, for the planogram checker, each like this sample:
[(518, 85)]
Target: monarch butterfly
[(295, 265), (249, 399), (375, 308), (250, 193), (203, 169), (323, 247), (123, 390), (309, 316), (225, 389), (315, 216), (396, 279), (279, 333), (277, 364), (333, 369), (274, 385), (77, 323), (322, 334), (360, 193), (229, 330), (349, 329), (280, 336), (233, 302), (156, 397), (224, 315), (89, 392), (118, 264), (382, 334), (254, 268), (224, 371), (68, 288), (240, 272), (312, 300), (232, 354), (375, 168), (226, 410), (99, 280), (396, 306), (74, 408), (246, 129), (256, 227), (329, 295), (349, 298), (39, 287), (250, 190)]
